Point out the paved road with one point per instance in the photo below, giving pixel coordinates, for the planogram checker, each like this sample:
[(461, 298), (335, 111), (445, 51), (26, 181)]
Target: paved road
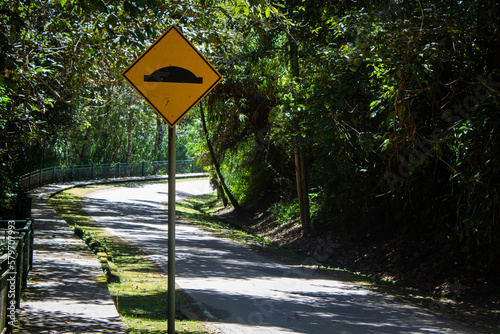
[(244, 292)]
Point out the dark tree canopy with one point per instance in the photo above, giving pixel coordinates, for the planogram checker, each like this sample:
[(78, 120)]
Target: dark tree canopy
[(394, 104)]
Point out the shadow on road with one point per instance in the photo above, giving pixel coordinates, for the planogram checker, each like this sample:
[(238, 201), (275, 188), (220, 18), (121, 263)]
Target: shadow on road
[(244, 292)]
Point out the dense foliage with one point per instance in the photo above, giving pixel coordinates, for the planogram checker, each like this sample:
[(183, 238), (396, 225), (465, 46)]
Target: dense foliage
[(395, 104)]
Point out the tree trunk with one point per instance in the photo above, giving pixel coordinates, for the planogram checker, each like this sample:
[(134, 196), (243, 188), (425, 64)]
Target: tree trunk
[(220, 191), (118, 147), (302, 191), (234, 202), (300, 170), (129, 149), (159, 137), (83, 152), (130, 127)]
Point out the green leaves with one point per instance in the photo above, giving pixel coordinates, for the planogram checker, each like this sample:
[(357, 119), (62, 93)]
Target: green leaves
[(242, 6), (268, 12)]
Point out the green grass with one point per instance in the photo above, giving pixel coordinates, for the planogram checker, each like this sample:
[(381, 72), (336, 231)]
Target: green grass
[(137, 285), (201, 209)]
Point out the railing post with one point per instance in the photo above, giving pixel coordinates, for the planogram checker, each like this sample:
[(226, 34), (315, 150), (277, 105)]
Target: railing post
[(72, 173), (118, 170), (143, 168), (53, 174), (92, 171)]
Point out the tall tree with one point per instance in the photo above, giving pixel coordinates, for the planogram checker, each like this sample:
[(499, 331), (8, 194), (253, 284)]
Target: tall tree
[(215, 161)]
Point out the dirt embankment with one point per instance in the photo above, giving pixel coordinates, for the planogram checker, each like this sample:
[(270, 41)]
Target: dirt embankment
[(451, 279)]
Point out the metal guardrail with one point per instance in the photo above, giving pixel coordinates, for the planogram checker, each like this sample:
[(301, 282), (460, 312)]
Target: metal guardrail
[(50, 175), (16, 261), (23, 230), (4, 292)]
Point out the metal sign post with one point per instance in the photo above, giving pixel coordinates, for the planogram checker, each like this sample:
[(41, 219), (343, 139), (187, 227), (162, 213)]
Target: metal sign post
[(172, 76), (171, 230)]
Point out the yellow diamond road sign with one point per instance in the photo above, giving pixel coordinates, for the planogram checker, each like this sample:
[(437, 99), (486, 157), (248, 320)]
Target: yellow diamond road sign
[(172, 76)]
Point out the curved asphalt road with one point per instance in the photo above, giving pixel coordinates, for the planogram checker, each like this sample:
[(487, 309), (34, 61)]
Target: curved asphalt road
[(243, 292)]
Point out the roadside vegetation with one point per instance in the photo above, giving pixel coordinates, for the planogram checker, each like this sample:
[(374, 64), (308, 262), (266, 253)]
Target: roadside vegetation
[(362, 263)]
